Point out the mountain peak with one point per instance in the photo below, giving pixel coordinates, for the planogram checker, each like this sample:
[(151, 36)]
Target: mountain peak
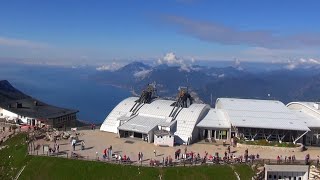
[(134, 66)]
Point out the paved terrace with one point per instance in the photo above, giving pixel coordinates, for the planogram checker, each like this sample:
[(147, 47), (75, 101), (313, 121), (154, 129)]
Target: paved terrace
[(96, 141)]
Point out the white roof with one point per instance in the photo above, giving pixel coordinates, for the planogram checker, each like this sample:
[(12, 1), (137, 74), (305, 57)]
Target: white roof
[(188, 118), (153, 114), (307, 113), (267, 114), (158, 107), (309, 105), (214, 119), (310, 120), (287, 168), (142, 124), (112, 122)]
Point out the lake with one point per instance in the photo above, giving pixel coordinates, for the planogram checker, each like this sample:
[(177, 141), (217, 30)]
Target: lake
[(66, 87)]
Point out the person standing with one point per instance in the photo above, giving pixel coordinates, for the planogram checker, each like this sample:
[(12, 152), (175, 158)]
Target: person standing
[(110, 151), (318, 159), (105, 152), (82, 145), (73, 143), (155, 153)]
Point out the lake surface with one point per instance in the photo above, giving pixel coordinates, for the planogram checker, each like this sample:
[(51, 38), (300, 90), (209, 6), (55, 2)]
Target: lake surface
[(66, 87)]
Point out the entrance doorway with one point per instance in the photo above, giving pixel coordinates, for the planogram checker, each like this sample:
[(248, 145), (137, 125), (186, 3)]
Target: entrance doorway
[(137, 135), (205, 133), (233, 134), (213, 134)]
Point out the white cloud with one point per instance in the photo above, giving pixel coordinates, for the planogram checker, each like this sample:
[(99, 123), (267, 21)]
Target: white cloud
[(142, 74), (223, 34), (4, 41), (172, 60), (110, 67), (302, 63)]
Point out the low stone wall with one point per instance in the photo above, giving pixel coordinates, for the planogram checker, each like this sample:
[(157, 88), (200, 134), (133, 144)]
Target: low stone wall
[(285, 149)]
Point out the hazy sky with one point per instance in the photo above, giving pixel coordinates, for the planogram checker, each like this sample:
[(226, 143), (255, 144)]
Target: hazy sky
[(74, 31)]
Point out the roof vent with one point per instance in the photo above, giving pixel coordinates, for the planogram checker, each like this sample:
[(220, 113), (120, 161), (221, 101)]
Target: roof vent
[(316, 105)]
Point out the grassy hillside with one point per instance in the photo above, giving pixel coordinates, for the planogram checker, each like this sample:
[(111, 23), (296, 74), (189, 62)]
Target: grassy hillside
[(14, 158)]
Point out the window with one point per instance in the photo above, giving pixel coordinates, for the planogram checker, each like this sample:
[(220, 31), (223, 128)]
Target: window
[(275, 177), (1, 114), (299, 178), (280, 177), (169, 136), (270, 176)]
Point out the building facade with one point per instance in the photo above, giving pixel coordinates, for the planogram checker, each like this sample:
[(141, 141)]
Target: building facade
[(309, 113), (35, 113)]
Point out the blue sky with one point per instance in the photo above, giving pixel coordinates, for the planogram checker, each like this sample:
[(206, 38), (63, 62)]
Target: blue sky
[(96, 32)]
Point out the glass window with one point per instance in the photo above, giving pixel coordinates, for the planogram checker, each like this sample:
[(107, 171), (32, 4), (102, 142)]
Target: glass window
[(222, 134)]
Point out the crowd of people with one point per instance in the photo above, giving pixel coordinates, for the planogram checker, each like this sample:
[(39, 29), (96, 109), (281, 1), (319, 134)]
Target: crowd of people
[(189, 156)]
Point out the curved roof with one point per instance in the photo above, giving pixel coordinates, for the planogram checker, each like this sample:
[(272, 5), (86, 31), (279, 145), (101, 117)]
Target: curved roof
[(307, 112), (215, 119), (309, 105), (112, 122), (188, 118), (267, 114)]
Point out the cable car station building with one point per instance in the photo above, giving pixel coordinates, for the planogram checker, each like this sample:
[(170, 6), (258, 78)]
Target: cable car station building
[(189, 122)]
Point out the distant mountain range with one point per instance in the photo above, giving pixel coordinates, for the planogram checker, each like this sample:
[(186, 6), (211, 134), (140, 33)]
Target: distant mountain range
[(301, 84)]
